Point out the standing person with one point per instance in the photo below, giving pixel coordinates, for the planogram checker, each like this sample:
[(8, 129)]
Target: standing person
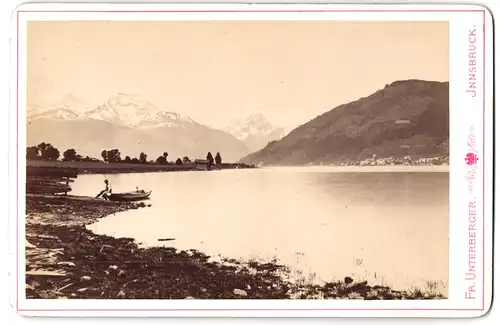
[(106, 193)]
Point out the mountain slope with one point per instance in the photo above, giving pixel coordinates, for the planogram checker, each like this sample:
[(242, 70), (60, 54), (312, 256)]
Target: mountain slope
[(90, 137), (255, 131), (406, 117)]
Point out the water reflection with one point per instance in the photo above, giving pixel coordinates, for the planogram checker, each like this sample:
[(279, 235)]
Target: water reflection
[(390, 228)]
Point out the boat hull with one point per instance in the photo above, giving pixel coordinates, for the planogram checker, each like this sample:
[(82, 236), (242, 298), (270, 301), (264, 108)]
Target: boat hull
[(131, 196)]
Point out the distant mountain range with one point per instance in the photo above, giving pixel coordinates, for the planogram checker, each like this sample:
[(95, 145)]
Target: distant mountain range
[(255, 131), (130, 124), (408, 117)]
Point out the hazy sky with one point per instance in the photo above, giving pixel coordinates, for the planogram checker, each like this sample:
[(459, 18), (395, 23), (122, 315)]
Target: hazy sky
[(218, 71)]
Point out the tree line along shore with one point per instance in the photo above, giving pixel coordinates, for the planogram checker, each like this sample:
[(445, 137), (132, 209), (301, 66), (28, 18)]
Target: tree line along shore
[(46, 155)]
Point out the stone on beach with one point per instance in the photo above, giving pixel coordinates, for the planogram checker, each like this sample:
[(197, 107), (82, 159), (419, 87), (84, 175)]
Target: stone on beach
[(45, 273), (66, 263), (27, 244), (240, 292), (85, 278)]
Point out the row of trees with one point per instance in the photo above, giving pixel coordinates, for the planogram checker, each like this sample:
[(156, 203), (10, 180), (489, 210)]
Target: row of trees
[(114, 156), (45, 151), (210, 159)]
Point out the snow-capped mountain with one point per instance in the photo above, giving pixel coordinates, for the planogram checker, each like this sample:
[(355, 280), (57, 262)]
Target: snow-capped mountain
[(130, 110), (69, 108), (132, 125), (255, 131), (121, 109), (62, 113)]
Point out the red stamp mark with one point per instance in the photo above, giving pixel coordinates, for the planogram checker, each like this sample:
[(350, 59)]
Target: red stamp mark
[(471, 158)]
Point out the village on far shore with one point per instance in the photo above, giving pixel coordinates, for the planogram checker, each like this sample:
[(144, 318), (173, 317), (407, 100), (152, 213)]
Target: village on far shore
[(406, 160)]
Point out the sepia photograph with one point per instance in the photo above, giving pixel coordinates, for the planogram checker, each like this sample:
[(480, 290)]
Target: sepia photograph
[(237, 159)]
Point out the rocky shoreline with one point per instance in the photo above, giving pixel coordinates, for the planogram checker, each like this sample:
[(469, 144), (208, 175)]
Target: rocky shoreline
[(64, 260)]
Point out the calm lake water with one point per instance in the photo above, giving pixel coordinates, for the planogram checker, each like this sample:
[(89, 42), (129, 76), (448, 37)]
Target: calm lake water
[(383, 224)]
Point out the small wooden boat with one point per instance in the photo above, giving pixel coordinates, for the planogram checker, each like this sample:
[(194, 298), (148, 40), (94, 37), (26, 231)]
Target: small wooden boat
[(130, 196)]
